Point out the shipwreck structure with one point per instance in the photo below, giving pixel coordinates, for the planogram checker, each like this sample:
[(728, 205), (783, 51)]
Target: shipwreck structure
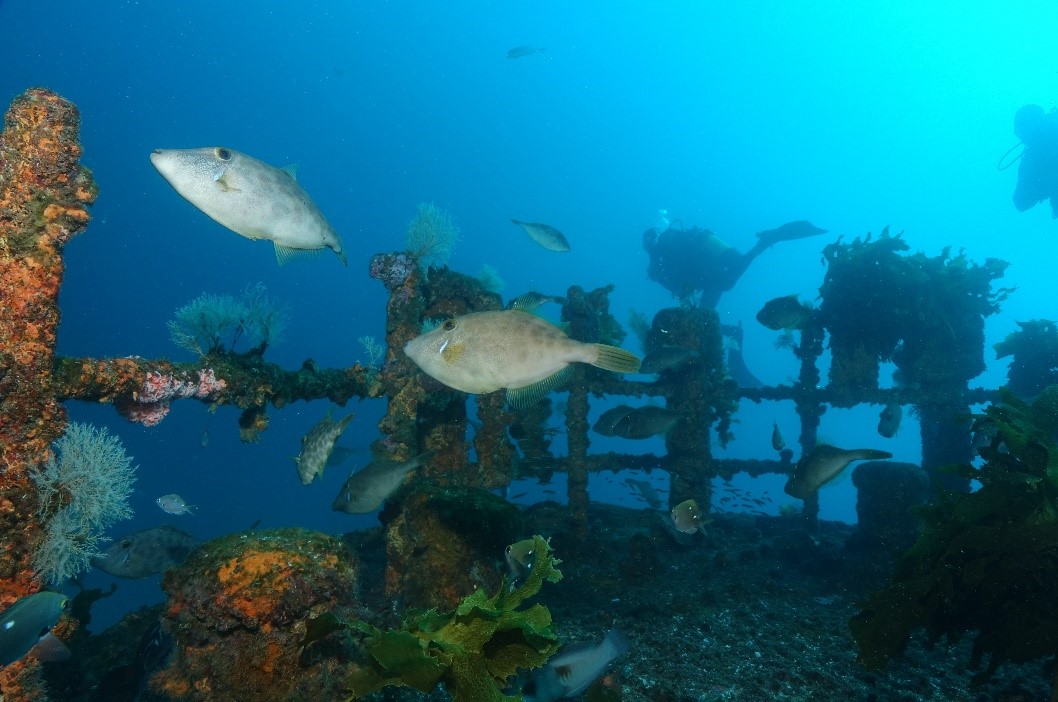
[(878, 304)]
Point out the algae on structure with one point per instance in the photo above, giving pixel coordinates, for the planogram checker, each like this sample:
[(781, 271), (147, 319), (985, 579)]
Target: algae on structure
[(986, 560), (472, 650)]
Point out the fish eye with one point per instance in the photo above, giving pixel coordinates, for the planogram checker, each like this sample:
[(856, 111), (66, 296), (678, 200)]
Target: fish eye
[(449, 325), (222, 153), (125, 543)]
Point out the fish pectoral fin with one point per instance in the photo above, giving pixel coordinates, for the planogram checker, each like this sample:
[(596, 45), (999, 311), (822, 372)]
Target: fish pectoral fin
[(50, 648), (519, 398), (453, 352), (226, 183)]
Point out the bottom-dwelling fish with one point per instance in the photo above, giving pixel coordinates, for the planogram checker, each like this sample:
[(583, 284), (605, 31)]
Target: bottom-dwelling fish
[(574, 668), (824, 464), (26, 626), (368, 488), (146, 552)]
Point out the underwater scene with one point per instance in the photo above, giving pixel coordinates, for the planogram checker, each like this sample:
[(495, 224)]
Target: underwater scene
[(510, 351)]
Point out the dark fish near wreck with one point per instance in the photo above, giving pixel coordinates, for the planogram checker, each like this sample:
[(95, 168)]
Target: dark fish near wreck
[(524, 50), (822, 465), (26, 626), (368, 488), (574, 668), (785, 313), (545, 235), (645, 490), (645, 422), (146, 552), (527, 302), (687, 516), (889, 420), (664, 358), (519, 557), (317, 445), (777, 442), (607, 420)]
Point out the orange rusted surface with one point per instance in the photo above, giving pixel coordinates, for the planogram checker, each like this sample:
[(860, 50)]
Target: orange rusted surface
[(44, 195)]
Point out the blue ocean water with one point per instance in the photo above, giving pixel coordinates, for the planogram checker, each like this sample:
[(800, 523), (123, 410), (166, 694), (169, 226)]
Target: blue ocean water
[(735, 117)]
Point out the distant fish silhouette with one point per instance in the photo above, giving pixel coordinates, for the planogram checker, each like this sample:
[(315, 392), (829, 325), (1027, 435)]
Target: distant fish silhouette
[(524, 50)]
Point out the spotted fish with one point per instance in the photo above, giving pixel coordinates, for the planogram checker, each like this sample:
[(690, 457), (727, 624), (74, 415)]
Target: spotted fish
[(317, 445)]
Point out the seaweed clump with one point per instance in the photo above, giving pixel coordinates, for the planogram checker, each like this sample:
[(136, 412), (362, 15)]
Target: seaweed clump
[(986, 561), (1034, 366), (925, 314), (472, 650)]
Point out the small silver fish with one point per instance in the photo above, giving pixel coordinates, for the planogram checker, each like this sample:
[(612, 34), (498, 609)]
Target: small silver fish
[(146, 552), (777, 442), (26, 626), (317, 446), (889, 420), (523, 51), (249, 197), (545, 235), (574, 668), (174, 504), (369, 487)]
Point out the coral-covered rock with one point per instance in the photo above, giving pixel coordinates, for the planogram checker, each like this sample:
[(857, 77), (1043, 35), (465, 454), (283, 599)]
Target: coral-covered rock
[(239, 609)]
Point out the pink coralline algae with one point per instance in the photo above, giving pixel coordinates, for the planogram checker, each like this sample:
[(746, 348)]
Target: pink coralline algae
[(150, 404), (392, 269)]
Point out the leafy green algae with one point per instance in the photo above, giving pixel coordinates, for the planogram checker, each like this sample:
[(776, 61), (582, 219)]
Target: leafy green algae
[(985, 561), (472, 650)]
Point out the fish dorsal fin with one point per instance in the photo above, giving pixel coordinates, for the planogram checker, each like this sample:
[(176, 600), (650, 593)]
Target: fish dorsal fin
[(285, 254), (520, 398), (291, 170), (50, 648), (453, 352)]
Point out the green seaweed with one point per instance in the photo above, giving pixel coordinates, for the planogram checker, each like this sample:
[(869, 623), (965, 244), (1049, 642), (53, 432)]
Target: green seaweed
[(473, 650), (1034, 348), (986, 561)]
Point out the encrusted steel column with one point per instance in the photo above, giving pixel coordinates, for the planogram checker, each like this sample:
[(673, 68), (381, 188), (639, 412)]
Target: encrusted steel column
[(44, 193)]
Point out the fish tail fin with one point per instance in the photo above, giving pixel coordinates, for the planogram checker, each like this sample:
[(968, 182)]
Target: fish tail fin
[(615, 359), (617, 643)]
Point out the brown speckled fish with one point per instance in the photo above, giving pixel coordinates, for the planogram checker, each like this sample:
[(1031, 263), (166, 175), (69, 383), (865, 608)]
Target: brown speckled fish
[(508, 349), (824, 464)]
